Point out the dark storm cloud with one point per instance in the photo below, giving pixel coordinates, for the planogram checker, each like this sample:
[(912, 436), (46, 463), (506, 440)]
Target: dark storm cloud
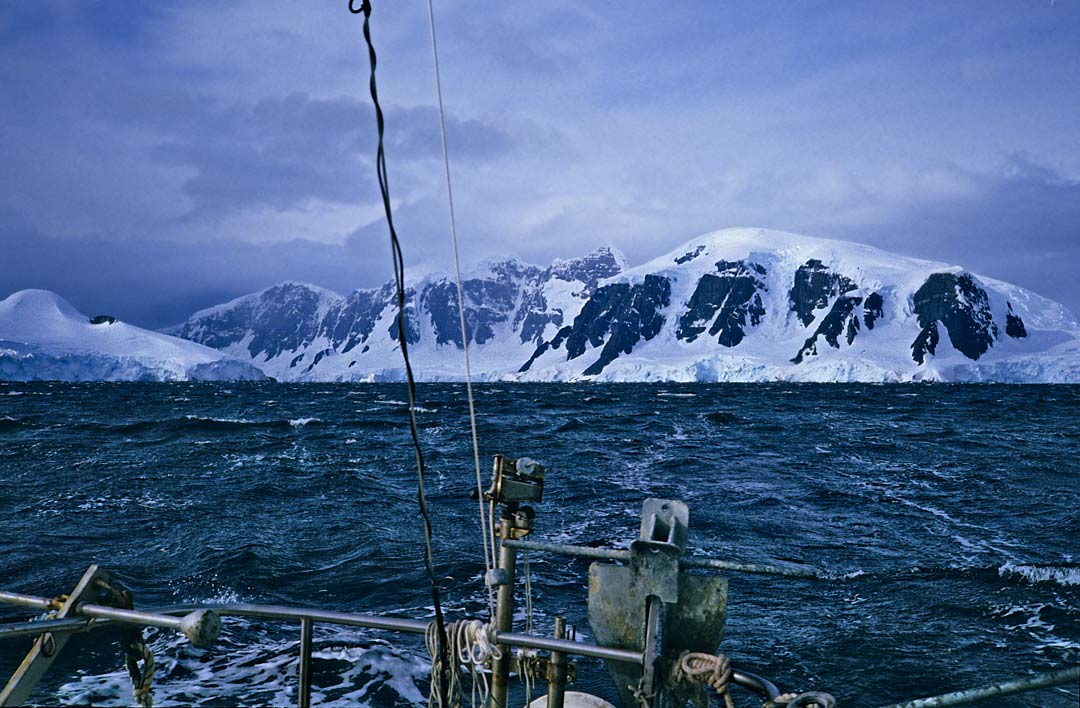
[(1021, 225), (193, 143), (281, 152), (153, 283)]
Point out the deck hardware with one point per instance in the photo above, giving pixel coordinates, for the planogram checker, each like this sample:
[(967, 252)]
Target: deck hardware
[(304, 669), (556, 673), (513, 481), (812, 699), (516, 481), (651, 606)]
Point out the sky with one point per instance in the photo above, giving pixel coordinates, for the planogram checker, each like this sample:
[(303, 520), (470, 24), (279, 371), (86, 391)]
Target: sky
[(160, 157)]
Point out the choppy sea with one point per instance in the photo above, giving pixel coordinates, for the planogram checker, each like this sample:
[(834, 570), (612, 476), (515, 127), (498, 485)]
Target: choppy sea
[(946, 517)]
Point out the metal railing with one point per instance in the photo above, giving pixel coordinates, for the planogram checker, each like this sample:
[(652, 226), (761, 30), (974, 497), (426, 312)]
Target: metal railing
[(685, 562), (97, 616)]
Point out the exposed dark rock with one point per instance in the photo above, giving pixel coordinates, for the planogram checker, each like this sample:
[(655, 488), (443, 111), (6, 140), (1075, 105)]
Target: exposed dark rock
[(687, 257), (735, 292), (350, 322), (288, 319), (926, 342), (534, 314), (638, 317), (282, 318), (815, 285), (1014, 326), (590, 270), (412, 323), (617, 316), (318, 358), (873, 309), (841, 317), (852, 330), (102, 319), (962, 306), (540, 350)]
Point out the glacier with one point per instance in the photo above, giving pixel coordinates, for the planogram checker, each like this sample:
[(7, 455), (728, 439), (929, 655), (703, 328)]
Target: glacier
[(44, 338), (738, 305)]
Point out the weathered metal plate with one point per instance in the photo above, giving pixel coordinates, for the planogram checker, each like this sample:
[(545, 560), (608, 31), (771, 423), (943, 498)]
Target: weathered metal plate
[(617, 617), (696, 623)]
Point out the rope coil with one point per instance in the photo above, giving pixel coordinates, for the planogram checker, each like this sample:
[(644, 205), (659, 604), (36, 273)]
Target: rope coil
[(715, 670), (472, 645)]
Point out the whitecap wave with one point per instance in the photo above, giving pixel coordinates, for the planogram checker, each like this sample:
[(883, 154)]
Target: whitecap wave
[(1042, 573)]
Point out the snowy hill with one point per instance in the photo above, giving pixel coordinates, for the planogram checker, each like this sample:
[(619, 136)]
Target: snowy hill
[(733, 305), (42, 337)]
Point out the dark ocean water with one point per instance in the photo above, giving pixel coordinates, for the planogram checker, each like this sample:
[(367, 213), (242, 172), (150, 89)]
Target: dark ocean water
[(948, 516)]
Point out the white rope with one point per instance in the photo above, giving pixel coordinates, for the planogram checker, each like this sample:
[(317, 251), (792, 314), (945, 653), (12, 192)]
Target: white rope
[(489, 550), (527, 662), (472, 644)]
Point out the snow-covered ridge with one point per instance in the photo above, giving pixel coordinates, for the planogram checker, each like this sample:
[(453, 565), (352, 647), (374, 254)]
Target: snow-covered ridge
[(732, 305), (42, 337)]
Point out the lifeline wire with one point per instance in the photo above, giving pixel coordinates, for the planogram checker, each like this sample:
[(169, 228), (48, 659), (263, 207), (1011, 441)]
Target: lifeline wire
[(489, 553), (399, 278)]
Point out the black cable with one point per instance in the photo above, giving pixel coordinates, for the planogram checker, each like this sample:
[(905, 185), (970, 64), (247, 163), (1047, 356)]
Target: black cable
[(399, 279)]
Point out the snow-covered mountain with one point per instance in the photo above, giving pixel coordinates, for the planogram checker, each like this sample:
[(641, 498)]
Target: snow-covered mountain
[(42, 337), (301, 332), (733, 305)]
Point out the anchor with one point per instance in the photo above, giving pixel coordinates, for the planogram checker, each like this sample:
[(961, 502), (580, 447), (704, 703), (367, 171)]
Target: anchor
[(630, 606)]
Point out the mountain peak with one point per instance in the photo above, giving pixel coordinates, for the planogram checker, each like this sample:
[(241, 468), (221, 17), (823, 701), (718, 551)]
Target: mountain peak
[(738, 304)]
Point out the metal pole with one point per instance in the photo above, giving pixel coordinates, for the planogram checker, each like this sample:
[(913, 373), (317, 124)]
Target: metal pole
[(306, 626), (627, 656), (686, 562), (393, 624), (15, 598), (200, 626), (504, 615), (761, 686), (557, 669), (1005, 688)]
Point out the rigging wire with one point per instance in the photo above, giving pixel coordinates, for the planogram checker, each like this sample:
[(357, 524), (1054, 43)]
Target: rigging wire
[(399, 279), (487, 538)]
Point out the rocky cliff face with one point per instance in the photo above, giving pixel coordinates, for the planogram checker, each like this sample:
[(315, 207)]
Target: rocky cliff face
[(742, 305), (727, 302), (298, 331)]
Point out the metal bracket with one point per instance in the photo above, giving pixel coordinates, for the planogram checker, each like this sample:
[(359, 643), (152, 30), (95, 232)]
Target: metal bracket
[(47, 646), (654, 556)]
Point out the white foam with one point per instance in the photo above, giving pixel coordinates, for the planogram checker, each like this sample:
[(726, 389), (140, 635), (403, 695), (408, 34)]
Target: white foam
[(1042, 574)]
